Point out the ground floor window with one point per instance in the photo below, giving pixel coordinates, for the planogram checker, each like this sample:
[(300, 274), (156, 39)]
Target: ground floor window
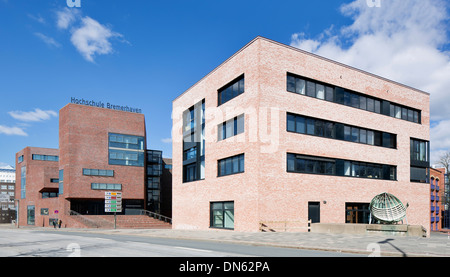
[(30, 215), (222, 215), (357, 213)]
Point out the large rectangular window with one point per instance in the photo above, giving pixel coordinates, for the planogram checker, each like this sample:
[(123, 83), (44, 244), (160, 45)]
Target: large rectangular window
[(357, 213), (23, 181), (320, 90), (419, 150), (98, 172), (419, 174), (328, 129), (231, 90), (30, 215), (222, 215), (50, 158), (194, 142), (419, 160), (126, 150), (328, 166), (231, 127), (61, 182), (231, 165), (102, 186)]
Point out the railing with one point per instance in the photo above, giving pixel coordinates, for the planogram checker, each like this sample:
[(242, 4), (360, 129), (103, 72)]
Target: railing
[(284, 226), (156, 216), (89, 221)]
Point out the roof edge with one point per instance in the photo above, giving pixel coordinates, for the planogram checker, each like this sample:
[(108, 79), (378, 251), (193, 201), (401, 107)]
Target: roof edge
[(306, 53)]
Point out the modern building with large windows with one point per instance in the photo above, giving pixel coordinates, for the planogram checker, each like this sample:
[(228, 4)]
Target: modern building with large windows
[(277, 134), (100, 150)]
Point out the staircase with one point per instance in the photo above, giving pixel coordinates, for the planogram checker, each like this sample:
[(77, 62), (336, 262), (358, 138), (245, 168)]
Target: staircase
[(143, 221), (140, 222)]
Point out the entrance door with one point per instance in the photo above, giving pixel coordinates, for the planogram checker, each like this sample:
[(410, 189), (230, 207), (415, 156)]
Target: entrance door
[(314, 212), (357, 213)]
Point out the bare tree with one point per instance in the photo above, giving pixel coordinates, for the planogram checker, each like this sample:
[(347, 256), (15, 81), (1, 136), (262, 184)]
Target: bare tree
[(444, 160)]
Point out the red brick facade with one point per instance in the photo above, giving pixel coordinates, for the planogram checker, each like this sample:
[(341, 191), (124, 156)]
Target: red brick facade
[(266, 191), (83, 144)]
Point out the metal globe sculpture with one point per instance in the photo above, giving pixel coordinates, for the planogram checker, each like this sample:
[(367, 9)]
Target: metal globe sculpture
[(387, 208)]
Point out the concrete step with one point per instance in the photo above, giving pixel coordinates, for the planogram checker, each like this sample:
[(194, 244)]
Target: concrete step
[(124, 222)]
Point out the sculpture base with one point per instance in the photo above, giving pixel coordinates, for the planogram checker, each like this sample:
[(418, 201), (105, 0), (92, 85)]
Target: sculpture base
[(370, 229)]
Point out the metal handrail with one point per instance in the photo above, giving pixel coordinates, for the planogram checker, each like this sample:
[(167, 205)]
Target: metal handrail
[(97, 223), (156, 216)]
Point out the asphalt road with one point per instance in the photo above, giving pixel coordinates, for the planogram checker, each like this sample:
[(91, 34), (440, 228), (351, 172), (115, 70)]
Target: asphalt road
[(37, 243)]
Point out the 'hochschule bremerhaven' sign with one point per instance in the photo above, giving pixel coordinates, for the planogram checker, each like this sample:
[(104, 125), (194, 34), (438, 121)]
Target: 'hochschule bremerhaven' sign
[(100, 104)]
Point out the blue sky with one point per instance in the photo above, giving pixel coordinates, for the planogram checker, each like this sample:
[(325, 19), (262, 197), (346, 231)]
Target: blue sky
[(145, 53)]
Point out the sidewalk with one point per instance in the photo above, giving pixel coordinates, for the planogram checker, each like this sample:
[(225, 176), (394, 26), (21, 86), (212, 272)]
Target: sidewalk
[(437, 245)]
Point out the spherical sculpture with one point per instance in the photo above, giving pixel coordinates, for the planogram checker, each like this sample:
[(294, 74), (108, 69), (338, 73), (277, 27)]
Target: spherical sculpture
[(387, 208)]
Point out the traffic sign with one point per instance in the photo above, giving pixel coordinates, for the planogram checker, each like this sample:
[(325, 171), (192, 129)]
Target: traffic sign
[(113, 202)]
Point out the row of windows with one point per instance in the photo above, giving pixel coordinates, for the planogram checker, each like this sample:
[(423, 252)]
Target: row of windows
[(404, 113), (339, 95), (103, 186), (231, 165), (337, 167), (122, 157), (231, 127), (126, 141), (49, 195), (322, 128), (7, 187), (233, 89), (310, 88), (38, 157), (98, 172)]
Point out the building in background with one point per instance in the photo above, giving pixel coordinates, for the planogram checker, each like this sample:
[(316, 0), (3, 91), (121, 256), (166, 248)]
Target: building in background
[(7, 195), (100, 150), (437, 179), (277, 134)]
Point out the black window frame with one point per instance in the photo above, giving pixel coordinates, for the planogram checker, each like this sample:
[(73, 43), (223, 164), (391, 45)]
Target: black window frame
[(229, 88), (225, 166), (223, 209), (339, 131), (307, 164), (353, 99)]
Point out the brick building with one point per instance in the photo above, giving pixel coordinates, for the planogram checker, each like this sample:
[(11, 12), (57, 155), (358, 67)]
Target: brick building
[(100, 150), (7, 195), (279, 134), (437, 186)]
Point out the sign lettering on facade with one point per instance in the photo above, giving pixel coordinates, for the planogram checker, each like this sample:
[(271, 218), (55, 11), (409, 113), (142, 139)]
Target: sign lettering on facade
[(100, 104)]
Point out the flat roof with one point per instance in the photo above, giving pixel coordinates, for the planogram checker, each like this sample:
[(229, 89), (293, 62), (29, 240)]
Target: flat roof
[(307, 53)]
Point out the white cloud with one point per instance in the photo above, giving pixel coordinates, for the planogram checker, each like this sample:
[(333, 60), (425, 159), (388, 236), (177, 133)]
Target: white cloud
[(37, 18), (88, 36), (402, 40), (12, 131), (66, 17), (33, 116), (48, 40), (166, 140), (92, 38)]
